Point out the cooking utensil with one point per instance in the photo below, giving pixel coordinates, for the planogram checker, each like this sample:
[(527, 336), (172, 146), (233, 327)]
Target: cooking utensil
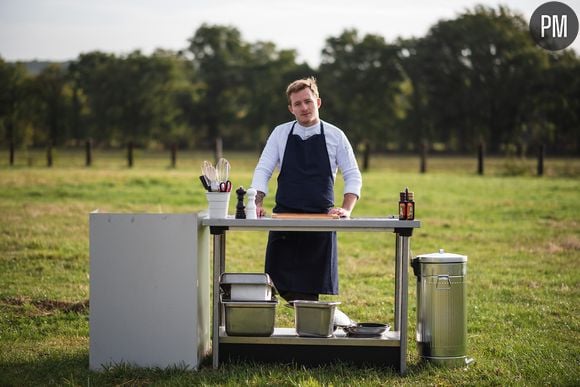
[(225, 186), (210, 172), (205, 183), (223, 170), (366, 329), (205, 168)]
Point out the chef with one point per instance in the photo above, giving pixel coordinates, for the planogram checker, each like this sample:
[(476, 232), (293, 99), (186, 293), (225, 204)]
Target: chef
[(308, 152)]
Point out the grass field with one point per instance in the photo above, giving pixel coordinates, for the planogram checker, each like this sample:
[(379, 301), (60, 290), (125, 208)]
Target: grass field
[(521, 233)]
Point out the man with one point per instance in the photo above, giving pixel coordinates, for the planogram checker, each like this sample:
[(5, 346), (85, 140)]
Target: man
[(309, 152)]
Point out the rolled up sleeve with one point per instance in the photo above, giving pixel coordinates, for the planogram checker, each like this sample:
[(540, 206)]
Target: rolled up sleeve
[(269, 159), (348, 165)]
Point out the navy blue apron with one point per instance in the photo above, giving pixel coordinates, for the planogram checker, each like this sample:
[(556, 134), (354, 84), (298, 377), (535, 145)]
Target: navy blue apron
[(305, 262)]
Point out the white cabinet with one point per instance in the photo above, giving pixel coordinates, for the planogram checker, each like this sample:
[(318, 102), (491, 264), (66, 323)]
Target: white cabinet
[(149, 290)]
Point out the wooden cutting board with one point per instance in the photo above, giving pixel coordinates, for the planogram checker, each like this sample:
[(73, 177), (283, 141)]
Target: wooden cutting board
[(291, 215)]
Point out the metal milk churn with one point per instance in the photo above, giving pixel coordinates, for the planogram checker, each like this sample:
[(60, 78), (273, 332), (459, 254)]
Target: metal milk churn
[(441, 308)]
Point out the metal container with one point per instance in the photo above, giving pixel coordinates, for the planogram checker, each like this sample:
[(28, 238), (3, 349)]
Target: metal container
[(314, 318), (441, 308), (247, 286), (250, 318)]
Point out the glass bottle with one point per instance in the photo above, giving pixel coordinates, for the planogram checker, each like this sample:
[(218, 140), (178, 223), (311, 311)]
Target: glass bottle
[(410, 206), (403, 206)]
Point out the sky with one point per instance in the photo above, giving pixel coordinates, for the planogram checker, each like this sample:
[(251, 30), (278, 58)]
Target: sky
[(59, 30)]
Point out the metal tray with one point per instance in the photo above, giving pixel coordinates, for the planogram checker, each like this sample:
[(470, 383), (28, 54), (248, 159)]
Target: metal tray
[(250, 318), (314, 318), (245, 278), (247, 286)]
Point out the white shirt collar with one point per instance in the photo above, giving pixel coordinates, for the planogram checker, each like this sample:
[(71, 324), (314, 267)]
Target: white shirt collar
[(306, 131)]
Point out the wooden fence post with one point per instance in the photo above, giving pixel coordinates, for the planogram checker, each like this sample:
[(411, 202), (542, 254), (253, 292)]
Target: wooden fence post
[(130, 154), (173, 155), (541, 155), (366, 155), (423, 167), (480, 156), (11, 153), (49, 156), (520, 150), (88, 153)]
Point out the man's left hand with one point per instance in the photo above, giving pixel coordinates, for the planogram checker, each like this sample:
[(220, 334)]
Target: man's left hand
[(343, 213)]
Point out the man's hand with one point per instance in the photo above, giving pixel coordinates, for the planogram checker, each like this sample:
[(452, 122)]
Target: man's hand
[(340, 212), (260, 211), (347, 205)]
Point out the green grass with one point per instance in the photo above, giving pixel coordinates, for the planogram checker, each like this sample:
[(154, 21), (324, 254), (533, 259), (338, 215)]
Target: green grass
[(521, 233)]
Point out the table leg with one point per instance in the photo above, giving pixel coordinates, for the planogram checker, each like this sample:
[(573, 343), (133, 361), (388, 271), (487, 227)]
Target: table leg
[(398, 289), (405, 250), (219, 254)]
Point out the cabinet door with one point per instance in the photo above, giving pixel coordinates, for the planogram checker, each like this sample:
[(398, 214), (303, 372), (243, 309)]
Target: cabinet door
[(149, 290)]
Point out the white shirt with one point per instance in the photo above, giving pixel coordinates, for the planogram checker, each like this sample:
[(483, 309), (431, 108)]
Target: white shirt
[(340, 154)]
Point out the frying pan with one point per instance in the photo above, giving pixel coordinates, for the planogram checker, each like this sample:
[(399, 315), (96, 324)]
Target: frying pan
[(366, 329)]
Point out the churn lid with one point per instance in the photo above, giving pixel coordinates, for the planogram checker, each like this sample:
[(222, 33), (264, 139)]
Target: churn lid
[(441, 257)]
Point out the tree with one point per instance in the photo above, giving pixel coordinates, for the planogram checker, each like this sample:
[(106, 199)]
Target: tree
[(134, 98), (219, 56), (476, 73), (52, 105), (95, 84), (144, 109), (416, 125), (558, 120), (179, 96), (266, 74), (14, 102), (361, 79), (476, 77)]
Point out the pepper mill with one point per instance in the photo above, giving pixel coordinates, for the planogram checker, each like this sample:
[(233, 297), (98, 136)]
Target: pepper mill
[(240, 213), (251, 206)]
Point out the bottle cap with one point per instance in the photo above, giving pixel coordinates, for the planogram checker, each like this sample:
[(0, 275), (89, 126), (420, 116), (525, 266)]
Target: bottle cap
[(410, 196)]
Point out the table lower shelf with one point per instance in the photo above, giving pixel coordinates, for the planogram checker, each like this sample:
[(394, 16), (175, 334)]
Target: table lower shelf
[(285, 346), (288, 336)]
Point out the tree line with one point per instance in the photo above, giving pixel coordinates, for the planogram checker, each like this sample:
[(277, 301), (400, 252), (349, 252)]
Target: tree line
[(476, 79)]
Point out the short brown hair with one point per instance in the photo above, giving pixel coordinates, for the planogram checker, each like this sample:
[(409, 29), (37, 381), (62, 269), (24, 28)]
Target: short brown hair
[(302, 84)]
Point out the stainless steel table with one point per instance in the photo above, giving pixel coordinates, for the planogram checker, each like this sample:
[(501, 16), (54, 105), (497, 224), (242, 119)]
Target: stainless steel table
[(284, 341)]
